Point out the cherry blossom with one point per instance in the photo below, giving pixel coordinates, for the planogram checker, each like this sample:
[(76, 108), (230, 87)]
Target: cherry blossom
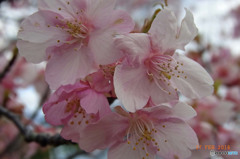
[(148, 132), (205, 134), (233, 94), (214, 111), (152, 70), (75, 106), (74, 36)]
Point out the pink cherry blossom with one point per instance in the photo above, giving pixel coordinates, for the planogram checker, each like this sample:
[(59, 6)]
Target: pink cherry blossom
[(205, 134), (233, 94), (214, 111), (75, 106), (102, 80), (148, 132), (75, 37), (151, 69)]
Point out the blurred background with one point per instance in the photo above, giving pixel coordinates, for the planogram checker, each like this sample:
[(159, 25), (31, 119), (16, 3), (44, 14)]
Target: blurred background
[(23, 89)]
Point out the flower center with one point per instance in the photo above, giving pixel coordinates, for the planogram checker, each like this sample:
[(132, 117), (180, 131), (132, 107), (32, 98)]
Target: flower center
[(161, 69), (79, 114), (140, 136), (78, 28)]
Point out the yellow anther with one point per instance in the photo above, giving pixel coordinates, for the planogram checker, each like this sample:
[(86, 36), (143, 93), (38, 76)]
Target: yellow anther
[(134, 148), (166, 75), (147, 135), (119, 21)]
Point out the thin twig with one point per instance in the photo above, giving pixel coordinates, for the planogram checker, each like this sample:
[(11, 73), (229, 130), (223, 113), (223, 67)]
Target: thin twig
[(29, 136), (9, 65)]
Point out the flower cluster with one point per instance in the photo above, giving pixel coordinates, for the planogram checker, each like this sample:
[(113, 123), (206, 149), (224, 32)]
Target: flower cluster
[(92, 55)]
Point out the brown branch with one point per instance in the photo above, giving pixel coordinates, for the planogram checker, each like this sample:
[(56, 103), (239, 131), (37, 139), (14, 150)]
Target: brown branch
[(30, 136), (9, 65)]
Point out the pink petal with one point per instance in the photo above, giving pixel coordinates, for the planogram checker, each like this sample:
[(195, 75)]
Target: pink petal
[(100, 82), (110, 129), (165, 33), (70, 133), (135, 45), (188, 30), (164, 30), (99, 12), (65, 8), (35, 36), (122, 150), (157, 112), (175, 139), (198, 83), (134, 89), (122, 22), (66, 90), (32, 51), (55, 114), (74, 127), (159, 96), (40, 28), (131, 87), (94, 102), (102, 46), (223, 112), (183, 111), (67, 65)]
